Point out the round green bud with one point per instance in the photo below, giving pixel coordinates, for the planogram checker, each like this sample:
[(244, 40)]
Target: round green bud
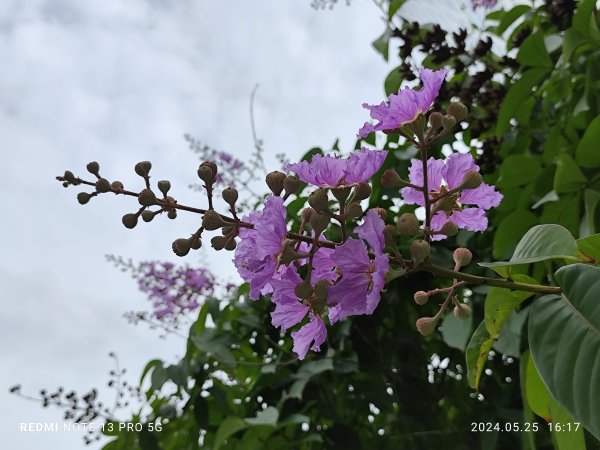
[(391, 180), (172, 214), (362, 192), (103, 185), (205, 173), (83, 198), (218, 242), (462, 312), (426, 325), (211, 220), (353, 210), (449, 229), (318, 200), (471, 180), (419, 250), (458, 111), (275, 181), (146, 197), (143, 168), (130, 220), (421, 297), (291, 184), (435, 120), (116, 186), (93, 168), (231, 244), (230, 195), (319, 221), (195, 243), (181, 247), (408, 224), (448, 122), (462, 257), (164, 186), (390, 234), (147, 215)]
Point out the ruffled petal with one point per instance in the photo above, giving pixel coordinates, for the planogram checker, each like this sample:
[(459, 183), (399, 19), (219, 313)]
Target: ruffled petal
[(457, 165), (473, 219), (485, 197), (313, 333)]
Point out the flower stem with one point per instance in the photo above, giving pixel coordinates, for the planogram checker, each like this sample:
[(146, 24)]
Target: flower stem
[(427, 230)]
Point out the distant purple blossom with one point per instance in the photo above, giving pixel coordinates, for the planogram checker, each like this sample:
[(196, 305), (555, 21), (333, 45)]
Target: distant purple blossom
[(312, 335), (487, 4), (330, 171), (173, 290), (359, 289), (471, 204), (403, 107), (257, 252)]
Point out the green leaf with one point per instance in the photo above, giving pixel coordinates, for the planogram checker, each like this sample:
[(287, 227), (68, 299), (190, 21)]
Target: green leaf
[(499, 304), (583, 16), (382, 43), (228, 427), (152, 363), (592, 212), (540, 243), (533, 52), (476, 354), (510, 17), (517, 170), (268, 416), (512, 226), (587, 153), (395, 5), (509, 341), (568, 177), (517, 94), (564, 337), (393, 81), (456, 332), (590, 246)]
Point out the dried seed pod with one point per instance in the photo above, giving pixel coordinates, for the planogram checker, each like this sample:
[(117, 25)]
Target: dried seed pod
[(181, 247), (275, 181), (195, 243), (130, 220), (147, 197), (103, 185)]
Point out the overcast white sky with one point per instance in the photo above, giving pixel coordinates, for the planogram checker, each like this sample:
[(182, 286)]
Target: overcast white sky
[(121, 81)]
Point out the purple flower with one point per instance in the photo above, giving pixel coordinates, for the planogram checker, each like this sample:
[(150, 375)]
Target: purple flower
[(331, 172), (256, 254), (314, 332), (487, 4), (405, 106), (359, 289), (447, 175)]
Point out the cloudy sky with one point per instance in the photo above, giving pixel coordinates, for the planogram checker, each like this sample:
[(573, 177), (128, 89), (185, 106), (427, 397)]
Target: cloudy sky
[(121, 81)]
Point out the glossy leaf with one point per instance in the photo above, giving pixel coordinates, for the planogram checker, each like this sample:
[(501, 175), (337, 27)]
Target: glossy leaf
[(568, 177), (476, 354), (228, 427), (587, 153)]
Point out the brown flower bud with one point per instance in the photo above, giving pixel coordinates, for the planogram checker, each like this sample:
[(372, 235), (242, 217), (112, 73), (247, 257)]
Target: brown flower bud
[(318, 300), (318, 200), (212, 221), (195, 243), (435, 120), (419, 250), (147, 197), (458, 111), (291, 184), (319, 222), (471, 180), (231, 244), (462, 312), (164, 186), (462, 257), (289, 253), (421, 297), (382, 213), (181, 247), (116, 186), (408, 224), (213, 168), (130, 220), (93, 168), (306, 215), (218, 242), (68, 176), (275, 181), (172, 214), (230, 195), (449, 229), (448, 122), (362, 192), (304, 290), (353, 210), (391, 180), (148, 215), (390, 234), (103, 185), (446, 203), (205, 173), (83, 198), (426, 325), (341, 194), (143, 168)]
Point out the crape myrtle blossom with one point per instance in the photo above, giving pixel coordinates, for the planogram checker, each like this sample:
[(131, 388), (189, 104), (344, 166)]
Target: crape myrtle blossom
[(469, 207), (331, 172), (257, 252), (358, 291), (404, 107), (486, 4)]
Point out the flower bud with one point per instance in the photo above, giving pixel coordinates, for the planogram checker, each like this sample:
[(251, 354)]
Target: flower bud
[(172, 214), (382, 213), (147, 197), (231, 244), (148, 215), (435, 120), (448, 122), (291, 184), (471, 180), (205, 173), (93, 168), (462, 257), (103, 185), (143, 168), (462, 312), (212, 221), (195, 243), (458, 111), (306, 214), (218, 242), (419, 250), (318, 200), (426, 325), (69, 177), (181, 247), (213, 169), (319, 222), (83, 198), (130, 220), (164, 186), (116, 186), (390, 234), (446, 203), (289, 253), (341, 194), (275, 181), (362, 192), (421, 297), (408, 224), (391, 180), (318, 300), (304, 290), (230, 195), (353, 210), (449, 229)]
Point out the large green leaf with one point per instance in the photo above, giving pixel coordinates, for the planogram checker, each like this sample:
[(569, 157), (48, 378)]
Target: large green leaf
[(515, 224), (591, 200), (564, 337), (590, 246), (228, 427), (533, 52), (456, 332), (517, 170), (568, 177), (476, 354), (542, 242), (587, 153)]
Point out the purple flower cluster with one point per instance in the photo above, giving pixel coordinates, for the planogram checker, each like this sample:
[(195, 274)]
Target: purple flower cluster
[(173, 290), (470, 205), (487, 4)]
